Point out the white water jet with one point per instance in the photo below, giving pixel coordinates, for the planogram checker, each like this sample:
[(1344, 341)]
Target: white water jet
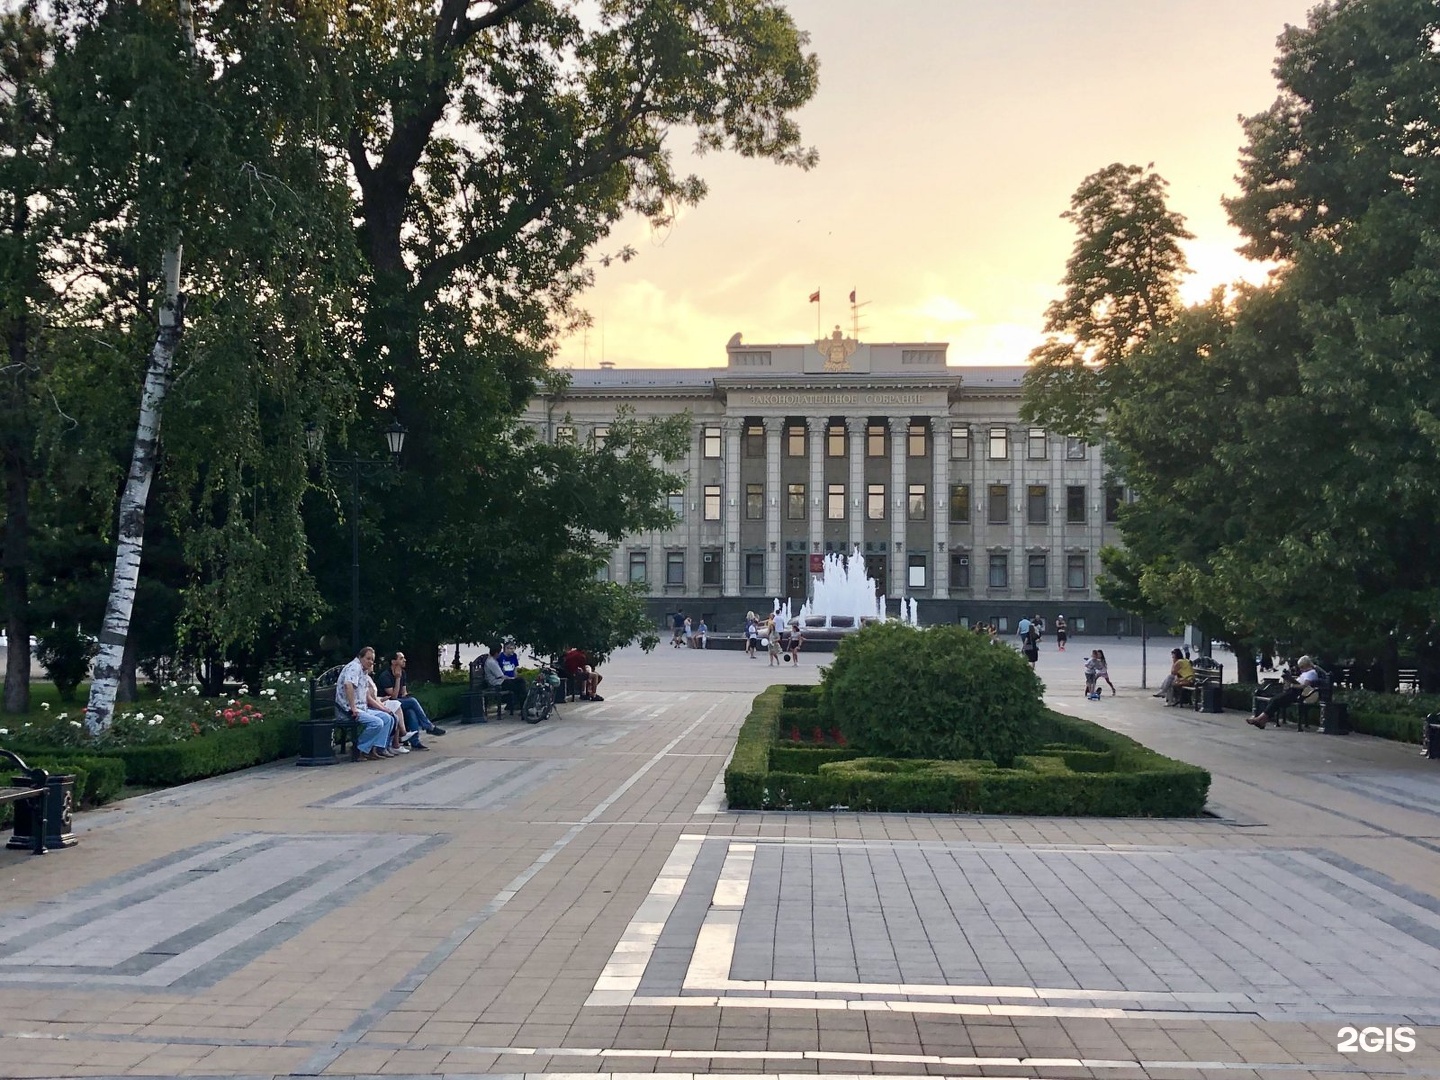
[(843, 598)]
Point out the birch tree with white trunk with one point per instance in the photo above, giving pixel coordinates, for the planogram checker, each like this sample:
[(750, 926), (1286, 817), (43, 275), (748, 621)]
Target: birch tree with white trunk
[(130, 531)]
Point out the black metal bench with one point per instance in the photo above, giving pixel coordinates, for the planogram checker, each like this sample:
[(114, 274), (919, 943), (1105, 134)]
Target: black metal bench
[(1206, 675), (475, 704), (33, 796), (326, 724)]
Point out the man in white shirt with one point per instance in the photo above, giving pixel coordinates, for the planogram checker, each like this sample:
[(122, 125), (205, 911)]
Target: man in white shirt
[(372, 741)]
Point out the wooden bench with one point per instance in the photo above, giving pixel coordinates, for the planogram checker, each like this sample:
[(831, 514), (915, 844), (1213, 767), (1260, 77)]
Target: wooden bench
[(475, 704), (35, 792), (326, 723)]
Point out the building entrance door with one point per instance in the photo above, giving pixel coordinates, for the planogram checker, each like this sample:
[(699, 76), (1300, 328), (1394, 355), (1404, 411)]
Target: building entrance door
[(875, 567), (796, 575)]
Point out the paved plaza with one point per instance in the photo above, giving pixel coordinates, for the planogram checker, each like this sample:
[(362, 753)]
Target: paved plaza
[(573, 898)]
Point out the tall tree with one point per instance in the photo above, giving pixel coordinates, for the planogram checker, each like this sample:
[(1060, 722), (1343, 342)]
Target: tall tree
[(217, 127), (1340, 181), (1121, 284), (26, 209), (495, 145)]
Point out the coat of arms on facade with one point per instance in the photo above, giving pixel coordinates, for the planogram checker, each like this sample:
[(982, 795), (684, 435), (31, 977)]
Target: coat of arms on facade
[(837, 350)]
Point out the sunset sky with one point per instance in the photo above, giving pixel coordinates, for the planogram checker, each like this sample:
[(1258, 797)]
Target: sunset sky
[(951, 135)]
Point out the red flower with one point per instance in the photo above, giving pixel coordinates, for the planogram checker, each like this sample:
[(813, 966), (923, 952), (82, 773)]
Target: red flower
[(196, 727), (817, 735), (244, 720)]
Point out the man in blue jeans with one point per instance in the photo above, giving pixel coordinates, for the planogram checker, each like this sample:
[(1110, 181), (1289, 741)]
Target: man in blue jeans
[(394, 686), (372, 741)]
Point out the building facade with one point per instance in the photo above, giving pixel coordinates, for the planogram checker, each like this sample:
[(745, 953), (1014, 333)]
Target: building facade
[(797, 451)]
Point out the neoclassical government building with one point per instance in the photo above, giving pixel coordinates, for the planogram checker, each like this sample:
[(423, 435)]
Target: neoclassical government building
[(801, 450)]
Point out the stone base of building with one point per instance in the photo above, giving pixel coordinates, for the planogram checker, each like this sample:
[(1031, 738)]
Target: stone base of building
[(725, 615)]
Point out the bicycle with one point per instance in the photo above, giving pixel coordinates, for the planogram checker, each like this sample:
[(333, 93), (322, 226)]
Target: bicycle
[(540, 698)]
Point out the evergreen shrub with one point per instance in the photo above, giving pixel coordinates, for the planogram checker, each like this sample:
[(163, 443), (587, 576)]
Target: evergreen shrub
[(941, 692)]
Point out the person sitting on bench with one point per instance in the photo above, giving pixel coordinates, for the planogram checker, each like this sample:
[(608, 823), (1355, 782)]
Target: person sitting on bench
[(495, 678), (1306, 689), (578, 667), (1182, 673), (373, 739)]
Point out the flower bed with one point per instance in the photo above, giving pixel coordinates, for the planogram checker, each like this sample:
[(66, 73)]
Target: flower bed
[(1082, 769)]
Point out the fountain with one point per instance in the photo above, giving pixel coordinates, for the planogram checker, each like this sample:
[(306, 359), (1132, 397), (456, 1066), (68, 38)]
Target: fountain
[(843, 599)]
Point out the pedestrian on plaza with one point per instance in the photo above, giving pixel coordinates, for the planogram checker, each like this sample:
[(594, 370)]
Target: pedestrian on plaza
[(752, 634), (689, 633), (1023, 630), (1031, 645), (796, 640), (1062, 632), (1102, 671), (702, 634), (770, 638), (677, 633), (1092, 671)]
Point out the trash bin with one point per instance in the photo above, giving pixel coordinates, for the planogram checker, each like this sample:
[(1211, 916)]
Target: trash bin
[(59, 803), (1334, 718), (1212, 698)]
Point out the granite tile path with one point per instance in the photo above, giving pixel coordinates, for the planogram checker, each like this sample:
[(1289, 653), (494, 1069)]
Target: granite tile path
[(573, 899)]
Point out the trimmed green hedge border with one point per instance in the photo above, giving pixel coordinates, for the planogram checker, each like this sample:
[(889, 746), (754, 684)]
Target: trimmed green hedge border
[(1067, 778)]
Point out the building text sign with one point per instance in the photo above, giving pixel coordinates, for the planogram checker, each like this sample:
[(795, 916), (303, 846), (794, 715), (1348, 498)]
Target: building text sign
[(816, 400)]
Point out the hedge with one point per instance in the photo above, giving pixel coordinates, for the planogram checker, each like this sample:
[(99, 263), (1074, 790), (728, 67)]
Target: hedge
[(442, 699), (1084, 769)]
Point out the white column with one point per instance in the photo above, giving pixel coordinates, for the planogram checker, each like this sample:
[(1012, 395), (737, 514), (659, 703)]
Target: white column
[(899, 497), (940, 509), (855, 427), (774, 508), (732, 502), (816, 426), (694, 511)]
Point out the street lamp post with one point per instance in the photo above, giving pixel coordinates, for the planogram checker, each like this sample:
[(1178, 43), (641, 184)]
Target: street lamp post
[(395, 443)]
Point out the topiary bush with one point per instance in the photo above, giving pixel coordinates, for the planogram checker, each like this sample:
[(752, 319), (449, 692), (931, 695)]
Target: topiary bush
[(942, 692)]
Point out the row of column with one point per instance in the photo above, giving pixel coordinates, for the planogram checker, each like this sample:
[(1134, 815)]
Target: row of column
[(817, 429)]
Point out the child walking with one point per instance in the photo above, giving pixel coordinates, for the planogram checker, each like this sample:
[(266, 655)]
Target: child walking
[(1102, 671)]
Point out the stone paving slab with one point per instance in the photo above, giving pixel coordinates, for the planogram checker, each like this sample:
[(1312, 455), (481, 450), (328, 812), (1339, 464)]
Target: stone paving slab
[(571, 898)]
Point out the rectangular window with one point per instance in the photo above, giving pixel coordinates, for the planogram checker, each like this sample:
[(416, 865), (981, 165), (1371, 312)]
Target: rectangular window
[(600, 436), (999, 504), (675, 501), (917, 571), (710, 567), (795, 502), (712, 442), (960, 444), (916, 502), (1075, 504), (999, 570), (712, 502), (875, 502), (1075, 573), (1037, 509), (960, 570), (754, 502), (754, 570), (1035, 572), (795, 441), (674, 568), (835, 502), (960, 502), (639, 572), (835, 441), (602, 572), (1114, 499), (1074, 448), (875, 440), (999, 444), (1035, 444), (565, 433), (915, 440), (754, 441)]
